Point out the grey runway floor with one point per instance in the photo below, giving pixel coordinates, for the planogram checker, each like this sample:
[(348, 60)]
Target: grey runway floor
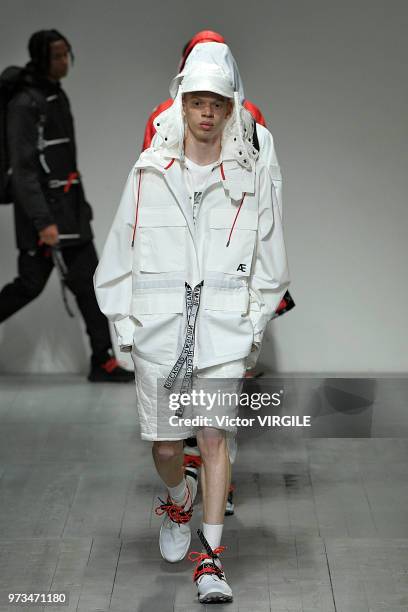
[(321, 523)]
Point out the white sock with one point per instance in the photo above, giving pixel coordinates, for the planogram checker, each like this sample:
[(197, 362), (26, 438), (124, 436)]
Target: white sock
[(179, 493), (213, 534)]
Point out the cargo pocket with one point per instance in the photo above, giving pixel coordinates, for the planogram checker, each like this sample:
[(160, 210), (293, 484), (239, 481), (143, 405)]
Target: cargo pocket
[(159, 315), (236, 258), (233, 299), (227, 330), (162, 236)]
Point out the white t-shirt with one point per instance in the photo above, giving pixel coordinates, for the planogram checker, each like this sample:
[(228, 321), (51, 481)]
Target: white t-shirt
[(196, 180), (198, 174)]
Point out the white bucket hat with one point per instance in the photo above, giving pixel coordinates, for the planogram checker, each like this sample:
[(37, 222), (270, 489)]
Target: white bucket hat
[(237, 135), (203, 76)]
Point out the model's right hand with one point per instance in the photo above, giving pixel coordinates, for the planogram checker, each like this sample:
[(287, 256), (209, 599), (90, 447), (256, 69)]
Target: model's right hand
[(49, 235)]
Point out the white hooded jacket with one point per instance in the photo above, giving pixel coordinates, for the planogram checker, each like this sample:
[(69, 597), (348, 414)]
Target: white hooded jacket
[(235, 247), (220, 54)]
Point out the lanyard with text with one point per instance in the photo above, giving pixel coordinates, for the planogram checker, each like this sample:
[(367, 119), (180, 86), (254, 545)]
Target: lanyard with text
[(187, 353)]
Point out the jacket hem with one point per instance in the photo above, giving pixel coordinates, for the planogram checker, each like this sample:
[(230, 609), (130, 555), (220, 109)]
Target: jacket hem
[(221, 360), (153, 438), (152, 358), (200, 365)]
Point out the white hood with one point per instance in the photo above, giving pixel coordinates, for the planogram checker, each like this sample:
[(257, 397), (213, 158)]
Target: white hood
[(237, 141), (211, 53)]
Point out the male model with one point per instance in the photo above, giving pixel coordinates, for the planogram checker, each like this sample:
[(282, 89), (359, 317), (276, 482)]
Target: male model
[(209, 46), (193, 269), (49, 202)]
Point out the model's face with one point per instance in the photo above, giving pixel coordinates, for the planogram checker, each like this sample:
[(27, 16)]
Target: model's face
[(206, 114), (59, 60)]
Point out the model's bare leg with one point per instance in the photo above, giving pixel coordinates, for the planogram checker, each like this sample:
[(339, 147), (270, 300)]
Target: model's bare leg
[(203, 481), (215, 474), (168, 459)]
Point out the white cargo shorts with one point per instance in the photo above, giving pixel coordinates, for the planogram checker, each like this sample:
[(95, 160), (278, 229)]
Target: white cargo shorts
[(220, 385)]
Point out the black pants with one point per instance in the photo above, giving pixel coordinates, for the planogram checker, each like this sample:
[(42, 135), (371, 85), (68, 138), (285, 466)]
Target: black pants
[(34, 269)]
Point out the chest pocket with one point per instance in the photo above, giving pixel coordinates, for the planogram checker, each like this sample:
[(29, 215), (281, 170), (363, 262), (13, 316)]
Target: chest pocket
[(162, 235), (237, 257)]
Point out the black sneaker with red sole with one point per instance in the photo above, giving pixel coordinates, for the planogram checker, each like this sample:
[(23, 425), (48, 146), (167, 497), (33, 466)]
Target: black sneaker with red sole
[(109, 371)]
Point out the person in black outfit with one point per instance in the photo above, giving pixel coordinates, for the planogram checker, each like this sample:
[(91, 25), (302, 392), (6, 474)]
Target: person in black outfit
[(49, 200)]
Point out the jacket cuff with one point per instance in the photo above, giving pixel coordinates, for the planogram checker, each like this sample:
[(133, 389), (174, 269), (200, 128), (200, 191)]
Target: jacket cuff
[(272, 299), (124, 331), (41, 223), (254, 311), (252, 358)]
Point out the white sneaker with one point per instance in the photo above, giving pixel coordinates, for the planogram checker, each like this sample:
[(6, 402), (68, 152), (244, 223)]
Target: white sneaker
[(175, 534), (212, 586)]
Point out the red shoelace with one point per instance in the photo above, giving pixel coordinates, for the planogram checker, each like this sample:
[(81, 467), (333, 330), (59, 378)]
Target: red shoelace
[(175, 512), (192, 461), (208, 568)]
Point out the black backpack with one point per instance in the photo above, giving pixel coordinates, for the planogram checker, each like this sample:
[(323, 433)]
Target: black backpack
[(12, 80)]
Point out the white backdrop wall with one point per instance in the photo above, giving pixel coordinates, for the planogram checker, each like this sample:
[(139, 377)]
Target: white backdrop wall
[(331, 81)]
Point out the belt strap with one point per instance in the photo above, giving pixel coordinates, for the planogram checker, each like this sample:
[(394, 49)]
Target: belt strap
[(187, 352), (56, 183), (56, 141)]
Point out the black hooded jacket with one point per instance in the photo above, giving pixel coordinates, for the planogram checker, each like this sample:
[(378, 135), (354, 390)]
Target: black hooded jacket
[(37, 202)]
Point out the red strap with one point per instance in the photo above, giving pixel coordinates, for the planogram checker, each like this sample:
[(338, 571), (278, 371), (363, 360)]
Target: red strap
[(71, 177), (236, 216), (137, 207), (192, 461), (169, 164)]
